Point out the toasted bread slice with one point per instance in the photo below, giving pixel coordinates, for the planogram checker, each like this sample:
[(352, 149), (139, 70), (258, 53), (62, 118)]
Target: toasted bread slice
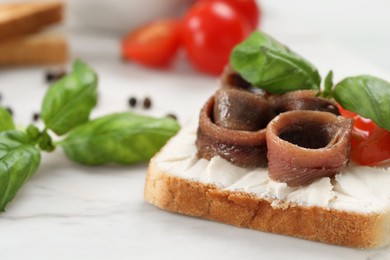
[(242, 209), (20, 19), (40, 49), (179, 181)]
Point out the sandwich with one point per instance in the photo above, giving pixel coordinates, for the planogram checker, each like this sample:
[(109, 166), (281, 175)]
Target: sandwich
[(24, 39), (276, 163)]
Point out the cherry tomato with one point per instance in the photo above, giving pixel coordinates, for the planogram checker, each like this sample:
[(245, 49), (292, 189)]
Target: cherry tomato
[(248, 9), (210, 31), (153, 45), (370, 144)]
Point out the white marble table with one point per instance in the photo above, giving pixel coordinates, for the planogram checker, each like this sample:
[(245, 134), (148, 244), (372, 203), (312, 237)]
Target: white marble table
[(67, 211)]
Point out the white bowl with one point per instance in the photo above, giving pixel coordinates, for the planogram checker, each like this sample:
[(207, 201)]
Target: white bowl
[(120, 16)]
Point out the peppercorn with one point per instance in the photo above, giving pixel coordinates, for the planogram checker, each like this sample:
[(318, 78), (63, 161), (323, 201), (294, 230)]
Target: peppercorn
[(147, 103), (132, 102), (35, 117), (172, 116), (52, 76)]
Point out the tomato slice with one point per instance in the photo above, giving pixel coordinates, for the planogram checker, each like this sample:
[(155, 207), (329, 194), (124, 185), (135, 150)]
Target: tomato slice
[(249, 9), (374, 149), (210, 31), (153, 45), (370, 144)]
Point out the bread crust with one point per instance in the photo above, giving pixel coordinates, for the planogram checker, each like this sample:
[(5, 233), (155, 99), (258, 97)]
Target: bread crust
[(243, 209), (21, 19), (34, 50)]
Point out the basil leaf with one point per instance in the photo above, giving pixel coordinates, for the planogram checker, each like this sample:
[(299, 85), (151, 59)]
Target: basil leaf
[(45, 142), (367, 96), (123, 138), (68, 103), (33, 133), (266, 63), (328, 84), (18, 161), (6, 122)]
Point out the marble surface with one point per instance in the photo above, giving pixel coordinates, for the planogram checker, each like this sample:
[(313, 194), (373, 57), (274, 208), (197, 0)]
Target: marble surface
[(68, 211), (360, 26)]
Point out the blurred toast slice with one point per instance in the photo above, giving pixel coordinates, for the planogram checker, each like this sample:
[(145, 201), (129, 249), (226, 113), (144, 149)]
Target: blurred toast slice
[(19, 19), (37, 49)]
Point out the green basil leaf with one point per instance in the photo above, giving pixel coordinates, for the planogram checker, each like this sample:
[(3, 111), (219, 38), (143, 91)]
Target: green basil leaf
[(6, 122), (69, 102), (367, 96), (33, 133), (18, 161), (45, 142), (328, 84), (123, 138), (266, 63)]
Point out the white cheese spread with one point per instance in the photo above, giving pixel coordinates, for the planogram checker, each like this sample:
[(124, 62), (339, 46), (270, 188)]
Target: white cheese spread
[(356, 188)]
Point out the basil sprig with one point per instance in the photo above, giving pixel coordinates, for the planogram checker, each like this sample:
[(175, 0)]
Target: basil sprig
[(18, 161), (6, 122), (266, 63), (123, 138), (69, 102), (367, 96)]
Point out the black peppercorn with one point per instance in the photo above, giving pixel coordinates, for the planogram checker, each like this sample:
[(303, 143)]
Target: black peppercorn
[(172, 116), (52, 76), (147, 103), (36, 117), (132, 102)]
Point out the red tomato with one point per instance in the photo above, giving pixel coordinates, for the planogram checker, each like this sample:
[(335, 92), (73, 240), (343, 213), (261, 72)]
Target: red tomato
[(210, 31), (154, 44), (248, 9), (370, 144), (374, 149)]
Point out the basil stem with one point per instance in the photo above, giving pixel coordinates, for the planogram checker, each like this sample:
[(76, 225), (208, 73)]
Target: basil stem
[(18, 162), (6, 122), (122, 138), (266, 63), (69, 102), (367, 96)]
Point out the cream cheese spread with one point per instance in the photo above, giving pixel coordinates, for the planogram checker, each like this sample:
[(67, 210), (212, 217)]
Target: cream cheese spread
[(356, 188)]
